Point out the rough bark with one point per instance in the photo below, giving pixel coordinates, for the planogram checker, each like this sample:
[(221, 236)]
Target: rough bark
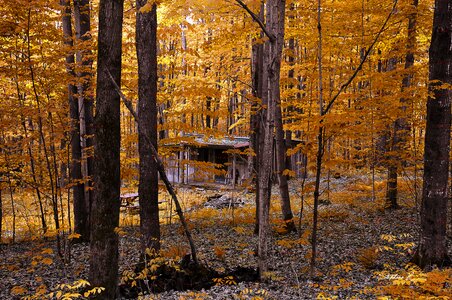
[(271, 95), (432, 249), (146, 45), (105, 207), (85, 105)]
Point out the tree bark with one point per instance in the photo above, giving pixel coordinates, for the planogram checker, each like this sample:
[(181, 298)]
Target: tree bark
[(146, 45), (271, 95), (432, 249), (105, 207)]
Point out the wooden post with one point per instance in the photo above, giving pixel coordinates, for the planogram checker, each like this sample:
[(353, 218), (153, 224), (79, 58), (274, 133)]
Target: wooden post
[(233, 170)]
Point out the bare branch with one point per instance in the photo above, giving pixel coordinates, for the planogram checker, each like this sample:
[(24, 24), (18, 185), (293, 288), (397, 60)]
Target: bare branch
[(162, 172), (346, 84), (256, 18)]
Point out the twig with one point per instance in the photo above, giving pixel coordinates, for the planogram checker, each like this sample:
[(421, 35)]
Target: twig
[(161, 169), (346, 84), (256, 18)]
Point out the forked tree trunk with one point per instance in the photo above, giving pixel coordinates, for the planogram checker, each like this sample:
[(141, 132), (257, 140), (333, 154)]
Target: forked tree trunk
[(146, 45), (432, 247), (105, 207)]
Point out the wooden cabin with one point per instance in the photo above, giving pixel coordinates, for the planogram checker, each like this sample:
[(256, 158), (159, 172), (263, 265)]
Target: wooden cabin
[(199, 159)]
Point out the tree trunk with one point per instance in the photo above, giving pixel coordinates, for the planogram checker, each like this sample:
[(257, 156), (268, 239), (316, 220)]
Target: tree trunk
[(106, 202), (432, 247), (80, 213), (257, 117), (281, 166), (401, 127), (146, 44), (85, 104), (271, 95), (1, 209), (390, 144)]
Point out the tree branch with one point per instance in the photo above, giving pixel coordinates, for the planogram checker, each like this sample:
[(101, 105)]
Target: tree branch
[(161, 170), (256, 18), (346, 84)]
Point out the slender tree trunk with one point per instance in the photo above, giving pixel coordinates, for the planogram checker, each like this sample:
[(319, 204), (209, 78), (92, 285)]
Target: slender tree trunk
[(80, 213), (320, 147), (257, 117), (281, 166), (105, 207), (146, 44), (42, 136), (390, 144), (432, 247), (401, 127), (85, 107)]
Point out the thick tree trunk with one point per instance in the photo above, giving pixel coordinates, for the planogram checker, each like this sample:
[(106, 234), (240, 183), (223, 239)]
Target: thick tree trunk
[(85, 105), (271, 95), (432, 247), (106, 202), (146, 44)]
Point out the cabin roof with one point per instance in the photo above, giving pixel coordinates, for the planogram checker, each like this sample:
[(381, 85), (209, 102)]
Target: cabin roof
[(201, 140)]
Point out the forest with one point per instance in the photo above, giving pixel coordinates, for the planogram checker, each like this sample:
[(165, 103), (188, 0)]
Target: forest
[(227, 149)]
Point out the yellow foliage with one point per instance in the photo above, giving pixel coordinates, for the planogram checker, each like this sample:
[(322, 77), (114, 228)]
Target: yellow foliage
[(368, 257), (18, 290), (219, 252)]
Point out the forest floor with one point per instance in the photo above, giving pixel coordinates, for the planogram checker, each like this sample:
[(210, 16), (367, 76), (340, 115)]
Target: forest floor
[(363, 253)]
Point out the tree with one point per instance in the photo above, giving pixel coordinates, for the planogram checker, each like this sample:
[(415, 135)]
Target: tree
[(272, 53), (80, 214), (432, 249), (146, 45), (82, 22), (400, 126), (106, 203)]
